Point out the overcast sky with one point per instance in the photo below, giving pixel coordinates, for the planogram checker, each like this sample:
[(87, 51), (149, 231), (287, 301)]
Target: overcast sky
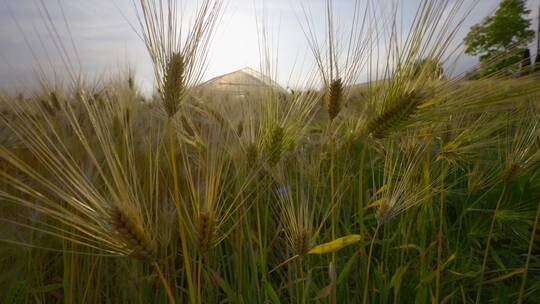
[(105, 42)]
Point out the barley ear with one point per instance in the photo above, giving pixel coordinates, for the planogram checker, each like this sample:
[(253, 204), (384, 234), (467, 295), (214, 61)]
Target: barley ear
[(301, 245), (395, 116), (383, 213), (274, 145), (55, 101), (511, 171), (205, 231), (136, 239), (334, 96), (131, 84), (173, 91), (252, 154)]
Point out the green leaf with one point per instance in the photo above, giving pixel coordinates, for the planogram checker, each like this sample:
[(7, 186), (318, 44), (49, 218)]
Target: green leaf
[(231, 294), (271, 292), (347, 268), (497, 259), (395, 281), (48, 288), (16, 293), (505, 276)]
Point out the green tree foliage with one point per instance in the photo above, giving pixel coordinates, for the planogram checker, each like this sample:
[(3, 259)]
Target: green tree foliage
[(500, 39)]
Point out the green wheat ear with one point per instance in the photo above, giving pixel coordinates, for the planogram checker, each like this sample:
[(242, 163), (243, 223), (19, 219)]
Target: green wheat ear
[(274, 146), (395, 116), (174, 86), (252, 154)]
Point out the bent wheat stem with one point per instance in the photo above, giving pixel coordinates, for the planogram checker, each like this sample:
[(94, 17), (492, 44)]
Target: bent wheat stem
[(168, 290)]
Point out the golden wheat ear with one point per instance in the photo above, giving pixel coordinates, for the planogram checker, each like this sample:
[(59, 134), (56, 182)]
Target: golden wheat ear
[(383, 213), (205, 231), (129, 228), (301, 243), (334, 98)]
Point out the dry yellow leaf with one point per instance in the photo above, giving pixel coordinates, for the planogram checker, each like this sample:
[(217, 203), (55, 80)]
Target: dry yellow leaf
[(336, 244)]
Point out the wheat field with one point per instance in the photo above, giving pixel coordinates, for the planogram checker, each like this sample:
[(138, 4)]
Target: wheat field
[(413, 188)]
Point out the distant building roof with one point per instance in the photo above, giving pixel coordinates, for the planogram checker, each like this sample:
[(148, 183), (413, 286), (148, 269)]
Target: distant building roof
[(241, 81)]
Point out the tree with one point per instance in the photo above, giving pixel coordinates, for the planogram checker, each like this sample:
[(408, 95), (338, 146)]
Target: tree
[(500, 39)]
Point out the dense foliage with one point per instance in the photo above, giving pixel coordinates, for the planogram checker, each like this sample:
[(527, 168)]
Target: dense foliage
[(501, 39)]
